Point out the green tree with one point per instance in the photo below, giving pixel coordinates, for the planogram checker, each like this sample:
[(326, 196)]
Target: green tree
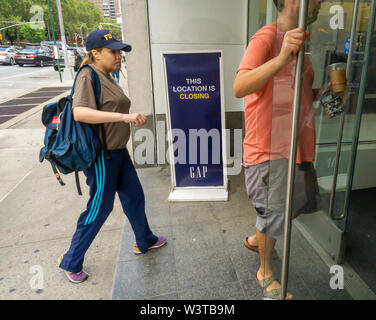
[(11, 34), (76, 14), (35, 35), (19, 8), (15, 12)]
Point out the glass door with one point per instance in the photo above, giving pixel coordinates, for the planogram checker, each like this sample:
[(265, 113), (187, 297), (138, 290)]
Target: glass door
[(334, 146), (342, 35)]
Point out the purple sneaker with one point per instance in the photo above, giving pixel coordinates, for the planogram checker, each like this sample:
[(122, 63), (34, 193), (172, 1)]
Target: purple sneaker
[(74, 277), (160, 243)]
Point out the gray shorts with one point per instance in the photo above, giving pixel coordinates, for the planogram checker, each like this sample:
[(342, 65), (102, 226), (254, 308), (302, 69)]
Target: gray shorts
[(266, 185)]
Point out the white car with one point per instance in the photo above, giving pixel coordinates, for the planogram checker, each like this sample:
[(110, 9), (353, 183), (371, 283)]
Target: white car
[(7, 55)]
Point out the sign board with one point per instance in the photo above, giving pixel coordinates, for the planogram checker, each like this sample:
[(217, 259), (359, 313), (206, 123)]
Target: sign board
[(196, 125)]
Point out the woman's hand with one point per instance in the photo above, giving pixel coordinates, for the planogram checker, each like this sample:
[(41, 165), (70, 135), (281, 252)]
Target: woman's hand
[(136, 118)]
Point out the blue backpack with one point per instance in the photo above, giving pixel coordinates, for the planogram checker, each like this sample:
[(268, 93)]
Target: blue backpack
[(69, 145)]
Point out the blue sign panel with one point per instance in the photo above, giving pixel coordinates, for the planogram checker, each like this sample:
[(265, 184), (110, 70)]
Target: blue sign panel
[(194, 93)]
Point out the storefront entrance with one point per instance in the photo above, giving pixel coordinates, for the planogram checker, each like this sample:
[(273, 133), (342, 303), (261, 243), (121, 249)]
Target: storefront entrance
[(344, 226)]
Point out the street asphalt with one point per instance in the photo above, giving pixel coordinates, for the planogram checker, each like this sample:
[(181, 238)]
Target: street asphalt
[(16, 80)]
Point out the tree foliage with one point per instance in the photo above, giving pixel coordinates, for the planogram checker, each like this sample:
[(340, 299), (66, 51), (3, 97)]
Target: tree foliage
[(78, 16), (34, 35)]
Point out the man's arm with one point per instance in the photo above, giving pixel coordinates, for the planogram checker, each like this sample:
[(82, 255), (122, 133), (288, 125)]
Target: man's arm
[(250, 81)]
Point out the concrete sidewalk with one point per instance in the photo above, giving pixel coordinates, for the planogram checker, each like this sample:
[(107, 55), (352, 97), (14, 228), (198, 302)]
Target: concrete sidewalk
[(205, 257)]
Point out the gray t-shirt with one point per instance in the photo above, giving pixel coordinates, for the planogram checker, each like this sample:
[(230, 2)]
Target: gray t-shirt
[(112, 99)]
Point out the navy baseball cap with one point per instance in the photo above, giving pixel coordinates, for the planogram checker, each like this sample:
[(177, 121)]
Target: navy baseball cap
[(105, 39)]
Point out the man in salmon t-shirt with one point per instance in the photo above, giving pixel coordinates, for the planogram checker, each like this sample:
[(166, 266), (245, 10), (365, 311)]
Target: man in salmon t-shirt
[(266, 79)]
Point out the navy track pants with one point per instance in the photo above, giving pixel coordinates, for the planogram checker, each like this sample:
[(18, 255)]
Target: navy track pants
[(106, 178)]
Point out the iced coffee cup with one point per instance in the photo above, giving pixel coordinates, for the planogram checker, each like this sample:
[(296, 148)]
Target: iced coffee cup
[(337, 75)]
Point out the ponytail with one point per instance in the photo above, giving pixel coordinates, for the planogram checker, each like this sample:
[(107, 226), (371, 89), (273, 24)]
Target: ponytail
[(90, 57)]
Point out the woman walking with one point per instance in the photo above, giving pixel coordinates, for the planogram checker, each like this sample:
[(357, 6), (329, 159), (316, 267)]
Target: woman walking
[(108, 175)]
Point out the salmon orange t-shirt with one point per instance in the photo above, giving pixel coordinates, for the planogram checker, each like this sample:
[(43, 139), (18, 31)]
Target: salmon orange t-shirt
[(268, 112)]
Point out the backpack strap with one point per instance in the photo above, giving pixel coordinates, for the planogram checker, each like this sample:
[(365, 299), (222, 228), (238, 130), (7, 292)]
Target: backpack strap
[(97, 91), (57, 174), (77, 178)]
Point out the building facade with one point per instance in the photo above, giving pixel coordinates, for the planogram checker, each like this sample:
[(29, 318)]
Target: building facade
[(109, 8)]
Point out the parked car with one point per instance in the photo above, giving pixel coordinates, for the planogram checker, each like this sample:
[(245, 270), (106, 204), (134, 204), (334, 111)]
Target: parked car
[(32, 46), (75, 56), (37, 56), (41, 45), (51, 44), (7, 55)]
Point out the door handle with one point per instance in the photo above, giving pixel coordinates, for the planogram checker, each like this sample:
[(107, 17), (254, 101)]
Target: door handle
[(303, 12)]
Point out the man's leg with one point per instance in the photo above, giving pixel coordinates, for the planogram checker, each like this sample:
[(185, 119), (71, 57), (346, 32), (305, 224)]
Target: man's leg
[(252, 240), (266, 245)]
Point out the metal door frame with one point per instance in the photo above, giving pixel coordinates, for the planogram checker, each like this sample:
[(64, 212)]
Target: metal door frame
[(321, 225), (319, 222), (359, 109)]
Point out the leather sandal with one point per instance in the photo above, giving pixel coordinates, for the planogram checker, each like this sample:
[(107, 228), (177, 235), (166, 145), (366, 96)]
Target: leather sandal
[(256, 249), (265, 283)]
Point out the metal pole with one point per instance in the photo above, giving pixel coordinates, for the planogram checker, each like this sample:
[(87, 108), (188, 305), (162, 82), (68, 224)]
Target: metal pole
[(53, 33), (121, 23), (342, 120), (48, 31), (15, 25), (293, 151), (152, 85), (82, 34), (68, 75)]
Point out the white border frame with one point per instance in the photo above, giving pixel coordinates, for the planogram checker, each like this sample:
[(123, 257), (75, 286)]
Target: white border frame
[(214, 193)]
